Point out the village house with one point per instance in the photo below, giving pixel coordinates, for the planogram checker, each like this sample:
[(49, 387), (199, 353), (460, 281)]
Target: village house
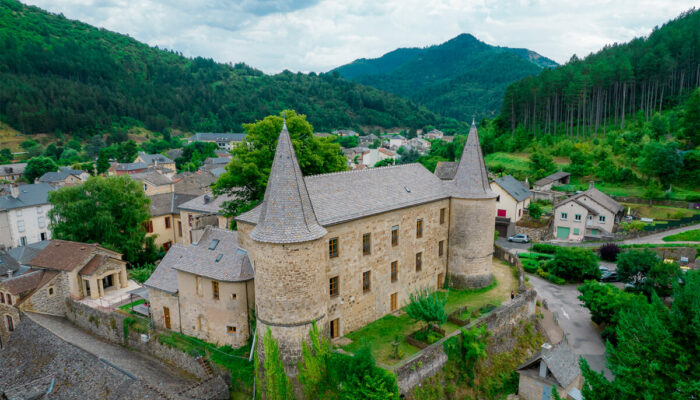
[(118, 169), (397, 141), (369, 139), (65, 176), (196, 183), (12, 172), (165, 218), (205, 289), (345, 132), (198, 213), (373, 156), (511, 203), (224, 141), (60, 271), (552, 366), (154, 182), (555, 179), (24, 215), (588, 214), (216, 162), (434, 134), (155, 160), (421, 145)]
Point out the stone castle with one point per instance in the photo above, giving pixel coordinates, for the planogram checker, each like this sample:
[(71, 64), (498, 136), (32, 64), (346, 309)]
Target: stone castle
[(340, 249)]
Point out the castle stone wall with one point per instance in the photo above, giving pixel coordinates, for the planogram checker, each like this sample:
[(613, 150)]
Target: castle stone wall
[(471, 242)]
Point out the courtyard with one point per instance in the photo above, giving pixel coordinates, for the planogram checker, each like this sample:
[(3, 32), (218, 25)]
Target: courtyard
[(382, 333)]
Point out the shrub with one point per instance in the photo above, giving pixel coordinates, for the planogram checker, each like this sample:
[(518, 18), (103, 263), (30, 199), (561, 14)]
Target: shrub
[(609, 252), (534, 210), (427, 306), (544, 248), (574, 264), (530, 265)]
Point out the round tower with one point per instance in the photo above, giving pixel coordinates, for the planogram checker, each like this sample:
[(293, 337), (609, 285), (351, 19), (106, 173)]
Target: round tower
[(472, 219), (288, 255)]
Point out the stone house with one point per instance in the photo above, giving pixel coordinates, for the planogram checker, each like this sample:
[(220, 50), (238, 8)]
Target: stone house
[(155, 160), (196, 183), (118, 169), (225, 141), (205, 289), (154, 182), (421, 145), (373, 156), (345, 132), (12, 172), (165, 222), (434, 134), (369, 139), (65, 176), (197, 214), (397, 141), (553, 366), (588, 214), (512, 201), (24, 215), (546, 183), (344, 249)]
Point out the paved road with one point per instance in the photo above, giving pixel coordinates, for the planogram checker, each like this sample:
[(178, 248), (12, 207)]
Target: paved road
[(657, 237), (142, 367), (575, 321)]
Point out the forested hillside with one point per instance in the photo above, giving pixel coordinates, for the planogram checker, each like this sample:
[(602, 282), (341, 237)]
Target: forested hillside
[(460, 78), (59, 75), (582, 97)]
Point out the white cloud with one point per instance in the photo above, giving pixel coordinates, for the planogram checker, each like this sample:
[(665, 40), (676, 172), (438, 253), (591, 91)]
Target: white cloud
[(313, 35)]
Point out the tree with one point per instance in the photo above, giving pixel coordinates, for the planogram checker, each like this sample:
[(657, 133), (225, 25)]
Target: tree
[(574, 264), (93, 148), (384, 162), (194, 155), (633, 265), (375, 144), (102, 162), (467, 349), (691, 119), (313, 375), (661, 161), (247, 173), (348, 142), (541, 164), (603, 300), (127, 151), (110, 211), (534, 210), (427, 306), (581, 164), (277, 386), (38, 166), (5, 156), (362, 379)]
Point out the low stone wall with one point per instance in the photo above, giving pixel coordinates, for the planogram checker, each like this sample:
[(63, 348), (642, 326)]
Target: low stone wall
[(538, 234), (511, 259), (111, 328), (502, 322)]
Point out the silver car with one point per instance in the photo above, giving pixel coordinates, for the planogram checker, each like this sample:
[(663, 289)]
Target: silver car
[(519, 238)]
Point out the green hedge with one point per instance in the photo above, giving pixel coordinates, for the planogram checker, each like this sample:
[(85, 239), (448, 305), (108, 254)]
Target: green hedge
[(544, 248)]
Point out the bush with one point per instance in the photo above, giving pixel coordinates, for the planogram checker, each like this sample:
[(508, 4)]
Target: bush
[(544, 248), (530, 265), (574, 264), (609, 252), (534, 210)]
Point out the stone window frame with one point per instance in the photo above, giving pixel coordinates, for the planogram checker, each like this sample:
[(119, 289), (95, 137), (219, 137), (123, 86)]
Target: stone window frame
[(333, 248), (231, 329), (215, 290), (394, 271), (366, 243), (394, 235), (366, 281), (419, 261), (442, 215), (419, 228), (441, 248), (578, 217), (334, 286)]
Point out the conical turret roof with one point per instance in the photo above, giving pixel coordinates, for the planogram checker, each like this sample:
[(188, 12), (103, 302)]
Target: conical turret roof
[(471, 180), (287, 215)]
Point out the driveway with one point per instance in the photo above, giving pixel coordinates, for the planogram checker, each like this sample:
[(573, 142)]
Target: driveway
[(574, 320), (518, 247)]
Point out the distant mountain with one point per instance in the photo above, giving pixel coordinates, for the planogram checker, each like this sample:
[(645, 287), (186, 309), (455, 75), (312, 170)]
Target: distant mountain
[(60, 75), (460, 78)]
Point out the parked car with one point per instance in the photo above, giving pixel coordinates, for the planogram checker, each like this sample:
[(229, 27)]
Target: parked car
[(609, 276), (519, 238)]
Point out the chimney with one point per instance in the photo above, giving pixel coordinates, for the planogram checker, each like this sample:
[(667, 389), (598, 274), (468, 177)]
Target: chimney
[(543, 369), (14, 191), (591, 184), (207, 199), (527, 182), (9, 273)]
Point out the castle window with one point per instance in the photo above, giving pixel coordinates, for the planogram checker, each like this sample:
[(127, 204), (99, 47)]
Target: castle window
[(419, 261), (334, 288), (419, 228), (10, 323), (230, 329), (335, 328), (9, 299), (215, 289), (2, 298), (394, 271), (233, 296), (167, 222), (442, 216), (441, 249), (333, 247), (51, 291), (395, 235), (367, 243), (365, 281)]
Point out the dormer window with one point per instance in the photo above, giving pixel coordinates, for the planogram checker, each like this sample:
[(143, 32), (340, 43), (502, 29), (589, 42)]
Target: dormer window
[(213, 244), (218, 258)]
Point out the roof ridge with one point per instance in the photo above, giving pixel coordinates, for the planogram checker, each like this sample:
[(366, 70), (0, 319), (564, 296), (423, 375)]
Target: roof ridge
[(350, 171)]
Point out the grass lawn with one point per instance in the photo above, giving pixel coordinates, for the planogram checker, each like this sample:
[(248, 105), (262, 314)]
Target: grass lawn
[(508, 161), (381, 333), (660, 212), (127, 307), (687, 236)]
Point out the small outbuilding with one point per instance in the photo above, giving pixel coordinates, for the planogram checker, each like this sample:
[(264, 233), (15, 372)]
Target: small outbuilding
[(553, 366)]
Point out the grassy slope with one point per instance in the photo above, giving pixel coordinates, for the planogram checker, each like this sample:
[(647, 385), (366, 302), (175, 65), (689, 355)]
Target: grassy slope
[(687, 236)]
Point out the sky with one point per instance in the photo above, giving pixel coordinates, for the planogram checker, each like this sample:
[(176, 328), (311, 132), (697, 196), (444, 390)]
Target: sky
[(319, 35)]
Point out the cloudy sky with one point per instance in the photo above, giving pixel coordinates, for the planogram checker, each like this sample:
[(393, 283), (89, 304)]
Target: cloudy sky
[(318, 35)]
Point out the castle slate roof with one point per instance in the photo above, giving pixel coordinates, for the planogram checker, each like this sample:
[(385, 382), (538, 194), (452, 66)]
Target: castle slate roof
[(446, 170), (200, 204), (130, 166), (23, 254), (286, 214), (29, 195), (471, 180), (561, 362), (165, 277), (217, 256), (343, 196), (513, 187)]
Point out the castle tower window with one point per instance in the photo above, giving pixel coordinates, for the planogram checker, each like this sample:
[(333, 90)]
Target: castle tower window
[(333, 248), (395, 235), (442, 216), (230, 329), (419, 228), (367, 243), (366, 281), (394, 271), (441, 249), (419, 261), (215, 289), (334, 287)]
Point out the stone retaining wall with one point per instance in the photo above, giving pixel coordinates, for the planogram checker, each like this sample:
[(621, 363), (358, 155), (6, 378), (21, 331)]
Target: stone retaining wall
[(511, 259), (502, 322)]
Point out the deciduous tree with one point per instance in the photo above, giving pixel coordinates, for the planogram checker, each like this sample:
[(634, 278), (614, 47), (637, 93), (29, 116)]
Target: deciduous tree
[(38, 166)]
